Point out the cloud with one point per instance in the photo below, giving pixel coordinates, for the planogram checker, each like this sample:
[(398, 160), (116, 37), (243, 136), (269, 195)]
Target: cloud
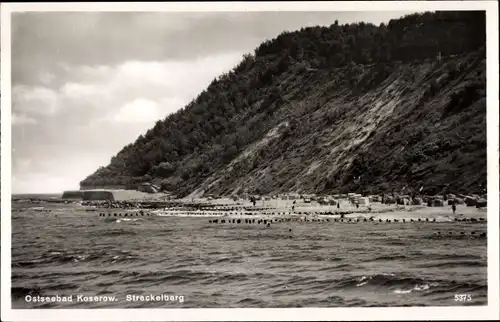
[(35, 174), (22, 164), (93, 91), (21, 119), (34, 100), (44, 41), (46, 78), (79, 90), (184, 78), (146, 111), (41, 183), (139, 111)]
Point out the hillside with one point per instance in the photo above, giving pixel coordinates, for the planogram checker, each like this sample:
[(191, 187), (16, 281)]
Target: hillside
[(330, 109)]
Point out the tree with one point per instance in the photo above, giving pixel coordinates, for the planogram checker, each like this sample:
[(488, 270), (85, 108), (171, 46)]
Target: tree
[(164, 169)]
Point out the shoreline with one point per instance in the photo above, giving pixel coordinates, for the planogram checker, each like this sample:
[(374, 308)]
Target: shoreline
[(273, 209)]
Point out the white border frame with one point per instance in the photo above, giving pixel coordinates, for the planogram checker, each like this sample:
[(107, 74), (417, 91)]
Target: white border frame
[(491, 311)]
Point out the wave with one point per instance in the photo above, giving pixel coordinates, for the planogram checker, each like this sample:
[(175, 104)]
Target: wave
[(454, 235), (126, 219), (173, 277), (55, 258), (406, 285), (389, 281), (117, 232), (389, 258), (457, 287), (376, 233), (386, 279), (344, 267), (436, 256), (229, 259), (319, 263), (21, 292), (417, 288), (183, 276), (44, 260), (120, 220), (397, 242), (304, 257), (453, 263), (251, 301), (290, 286), (52, 275)]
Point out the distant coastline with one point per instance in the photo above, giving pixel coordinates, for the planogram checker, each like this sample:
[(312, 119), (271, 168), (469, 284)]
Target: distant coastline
[(36, 195)]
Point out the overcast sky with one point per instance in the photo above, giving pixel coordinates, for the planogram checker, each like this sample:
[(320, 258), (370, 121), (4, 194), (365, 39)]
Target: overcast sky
[(86, 84)]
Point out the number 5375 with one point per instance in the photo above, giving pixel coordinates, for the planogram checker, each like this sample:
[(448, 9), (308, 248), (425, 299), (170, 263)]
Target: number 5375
[(463, 297)]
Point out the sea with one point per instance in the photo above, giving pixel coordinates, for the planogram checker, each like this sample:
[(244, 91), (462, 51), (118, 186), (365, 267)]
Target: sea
[(188, 262)]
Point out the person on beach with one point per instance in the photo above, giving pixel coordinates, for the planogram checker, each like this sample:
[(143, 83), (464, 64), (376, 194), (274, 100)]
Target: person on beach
[(338, 205), (453, 207)]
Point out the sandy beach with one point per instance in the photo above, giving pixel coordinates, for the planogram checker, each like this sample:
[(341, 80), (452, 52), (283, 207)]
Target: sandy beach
[(283, 209)]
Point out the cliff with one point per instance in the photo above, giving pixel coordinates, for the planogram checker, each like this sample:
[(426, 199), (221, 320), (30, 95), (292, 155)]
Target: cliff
[(330, 110)]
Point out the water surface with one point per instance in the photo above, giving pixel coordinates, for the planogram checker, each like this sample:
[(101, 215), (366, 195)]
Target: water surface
[(318, 264)]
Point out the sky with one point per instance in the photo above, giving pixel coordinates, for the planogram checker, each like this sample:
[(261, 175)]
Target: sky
[(85, 84)]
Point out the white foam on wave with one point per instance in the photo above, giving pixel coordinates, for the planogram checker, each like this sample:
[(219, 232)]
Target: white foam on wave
[(79, 258), (421, 287), (402, 291), (417, 288), (126, 219), (365, 279)]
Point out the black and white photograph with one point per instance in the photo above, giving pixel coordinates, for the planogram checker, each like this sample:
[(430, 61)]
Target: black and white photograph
[(290, 159)]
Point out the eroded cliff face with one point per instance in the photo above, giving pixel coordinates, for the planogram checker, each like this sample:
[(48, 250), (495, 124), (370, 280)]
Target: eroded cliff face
[(355, 108), (421, 124)]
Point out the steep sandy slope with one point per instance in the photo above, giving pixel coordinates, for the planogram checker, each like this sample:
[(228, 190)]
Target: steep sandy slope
[(422, 124)]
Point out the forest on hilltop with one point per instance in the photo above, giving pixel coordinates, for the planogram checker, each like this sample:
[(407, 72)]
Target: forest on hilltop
[(279, 121)]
